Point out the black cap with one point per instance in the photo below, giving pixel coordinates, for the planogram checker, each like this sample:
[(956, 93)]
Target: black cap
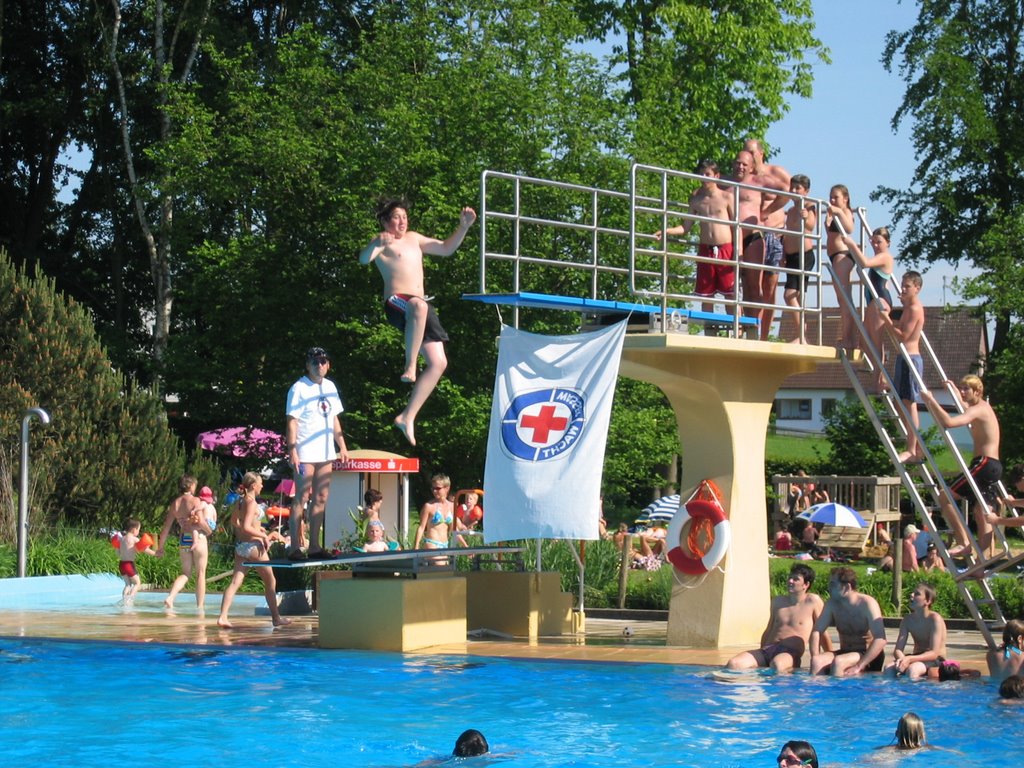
[(315, 352)]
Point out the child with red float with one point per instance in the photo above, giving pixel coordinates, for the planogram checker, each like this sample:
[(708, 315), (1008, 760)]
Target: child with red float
[(129, 544)]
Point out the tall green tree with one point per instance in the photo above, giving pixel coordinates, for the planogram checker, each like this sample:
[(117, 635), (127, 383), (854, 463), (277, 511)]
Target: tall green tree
[(702, 74), (108, 452), (963, 63)]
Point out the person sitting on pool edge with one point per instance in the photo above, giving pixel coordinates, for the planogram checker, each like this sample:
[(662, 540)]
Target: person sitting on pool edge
[(858, 620), (471, 743), (793, 615), (927, 628)]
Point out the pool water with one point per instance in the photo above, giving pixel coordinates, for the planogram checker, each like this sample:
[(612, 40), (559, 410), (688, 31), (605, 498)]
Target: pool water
[(90, 704)]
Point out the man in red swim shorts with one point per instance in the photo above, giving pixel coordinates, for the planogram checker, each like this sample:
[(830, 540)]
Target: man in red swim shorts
[(713, 202)]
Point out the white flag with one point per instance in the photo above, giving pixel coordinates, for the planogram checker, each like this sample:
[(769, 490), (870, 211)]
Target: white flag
[(549, 426)]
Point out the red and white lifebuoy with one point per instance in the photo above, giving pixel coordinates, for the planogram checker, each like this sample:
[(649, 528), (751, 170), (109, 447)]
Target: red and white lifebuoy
[(681, 555)]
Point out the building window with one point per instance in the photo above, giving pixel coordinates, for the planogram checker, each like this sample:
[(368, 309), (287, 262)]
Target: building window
[(828, 405), (792, 409)]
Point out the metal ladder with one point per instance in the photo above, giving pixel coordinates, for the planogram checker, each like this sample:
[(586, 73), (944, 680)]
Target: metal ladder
[(924, 483)]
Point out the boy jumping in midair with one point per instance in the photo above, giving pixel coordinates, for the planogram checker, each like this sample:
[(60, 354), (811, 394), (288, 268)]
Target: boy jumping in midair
[(398, 252)]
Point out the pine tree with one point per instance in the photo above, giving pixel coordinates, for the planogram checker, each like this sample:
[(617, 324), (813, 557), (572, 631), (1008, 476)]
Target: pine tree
[(108, 453)]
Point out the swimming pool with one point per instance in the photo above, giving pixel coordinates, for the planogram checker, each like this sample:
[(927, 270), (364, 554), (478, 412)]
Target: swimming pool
[(97, 704)]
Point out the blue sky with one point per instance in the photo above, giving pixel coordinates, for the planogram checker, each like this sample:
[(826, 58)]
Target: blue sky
[(843, 134)]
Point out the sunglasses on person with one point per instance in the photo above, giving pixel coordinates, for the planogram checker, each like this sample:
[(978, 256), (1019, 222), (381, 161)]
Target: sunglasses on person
[(784, 761), (319, 360)]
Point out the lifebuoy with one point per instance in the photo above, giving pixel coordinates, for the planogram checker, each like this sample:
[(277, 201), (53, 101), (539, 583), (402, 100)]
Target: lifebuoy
[(682, 556)]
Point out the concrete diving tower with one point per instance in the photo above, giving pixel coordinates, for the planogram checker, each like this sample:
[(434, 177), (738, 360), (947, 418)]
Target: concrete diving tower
[(721, 390)]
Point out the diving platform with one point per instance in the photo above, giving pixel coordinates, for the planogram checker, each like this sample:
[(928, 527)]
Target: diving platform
[(570, 248)]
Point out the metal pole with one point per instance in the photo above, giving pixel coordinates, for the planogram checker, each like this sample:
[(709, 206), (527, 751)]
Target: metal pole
[(44, 418)]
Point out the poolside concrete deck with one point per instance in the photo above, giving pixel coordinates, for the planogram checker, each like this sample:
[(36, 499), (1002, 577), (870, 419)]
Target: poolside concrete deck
[(603, 640)]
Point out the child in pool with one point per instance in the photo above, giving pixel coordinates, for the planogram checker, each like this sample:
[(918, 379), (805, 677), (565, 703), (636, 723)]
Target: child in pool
[(1009, 660), (126, 555)]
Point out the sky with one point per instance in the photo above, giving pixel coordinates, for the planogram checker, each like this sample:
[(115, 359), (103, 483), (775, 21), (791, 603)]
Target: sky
[(843, 134)]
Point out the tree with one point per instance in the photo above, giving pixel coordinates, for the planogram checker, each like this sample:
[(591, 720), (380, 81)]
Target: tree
[(854, 446), (108, 452), (700, 75), (963, 63)]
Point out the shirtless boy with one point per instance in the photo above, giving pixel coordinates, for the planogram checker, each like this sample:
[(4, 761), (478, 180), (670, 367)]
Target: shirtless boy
[(398, 252), (127, 551), (985, 467), (858, 620), (789, 628), (928, 630), (908, 333), (713, 202), (801, 219), (771, 177)]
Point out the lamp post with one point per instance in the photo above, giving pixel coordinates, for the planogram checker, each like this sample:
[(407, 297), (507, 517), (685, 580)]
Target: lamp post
[(43, 417)]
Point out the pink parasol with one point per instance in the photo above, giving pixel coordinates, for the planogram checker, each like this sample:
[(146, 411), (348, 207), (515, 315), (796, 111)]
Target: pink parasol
[(286, 487), (242, 442)]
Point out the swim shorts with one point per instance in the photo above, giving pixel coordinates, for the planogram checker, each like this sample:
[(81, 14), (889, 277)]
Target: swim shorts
[(986, 473), (794, 261), (906, 384), (775, 649), (712, 278), (185, 542), (772, 250), (127, 568), (876, 664), (394, 310)]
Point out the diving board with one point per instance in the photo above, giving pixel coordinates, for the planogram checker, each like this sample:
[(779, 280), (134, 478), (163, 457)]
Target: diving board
[(399, 562), (609, 307)]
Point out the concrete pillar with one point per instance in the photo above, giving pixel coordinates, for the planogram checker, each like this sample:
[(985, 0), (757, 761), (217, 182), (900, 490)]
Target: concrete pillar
[(722, 391)]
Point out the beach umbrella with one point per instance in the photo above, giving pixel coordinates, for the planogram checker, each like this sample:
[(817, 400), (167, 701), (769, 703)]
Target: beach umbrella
[(661, 510), (831, 513), (242, 442), (286, 487)]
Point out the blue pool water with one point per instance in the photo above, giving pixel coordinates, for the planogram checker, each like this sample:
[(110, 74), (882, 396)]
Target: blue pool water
[(89, 704)]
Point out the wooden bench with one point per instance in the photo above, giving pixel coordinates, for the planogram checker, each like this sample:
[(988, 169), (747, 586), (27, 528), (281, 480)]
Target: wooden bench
[(849, 539)]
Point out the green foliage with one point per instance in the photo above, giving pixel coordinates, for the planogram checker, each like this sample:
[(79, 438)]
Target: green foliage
[(964, 64), (107, 453), (693, 79), (855, 448)]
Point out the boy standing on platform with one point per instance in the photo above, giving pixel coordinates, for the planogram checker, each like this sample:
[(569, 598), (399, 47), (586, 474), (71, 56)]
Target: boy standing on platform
[(712, 202)]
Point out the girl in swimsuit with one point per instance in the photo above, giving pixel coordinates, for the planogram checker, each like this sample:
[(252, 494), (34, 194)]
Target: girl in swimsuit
[(878, 268), (839, 221), (436, 517), (253, 543), (186, 510)]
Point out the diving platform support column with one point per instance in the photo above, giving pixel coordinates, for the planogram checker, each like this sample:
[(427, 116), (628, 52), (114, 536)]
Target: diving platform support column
[(722, 390)]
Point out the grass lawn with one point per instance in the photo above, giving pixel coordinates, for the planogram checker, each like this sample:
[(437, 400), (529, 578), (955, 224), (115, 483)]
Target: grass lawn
[(808, 450)]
